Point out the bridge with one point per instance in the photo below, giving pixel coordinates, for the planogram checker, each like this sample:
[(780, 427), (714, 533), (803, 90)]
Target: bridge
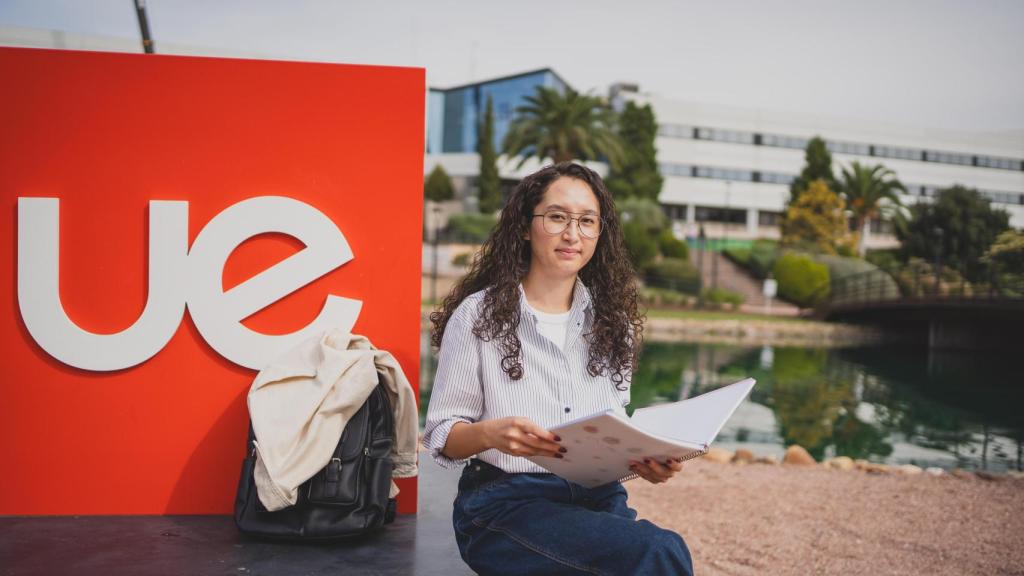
[(930, 309)]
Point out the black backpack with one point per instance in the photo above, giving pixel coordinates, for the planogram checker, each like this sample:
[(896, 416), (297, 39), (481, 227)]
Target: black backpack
[(348, 497)]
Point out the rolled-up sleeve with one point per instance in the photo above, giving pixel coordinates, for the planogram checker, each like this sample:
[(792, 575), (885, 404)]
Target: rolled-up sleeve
[(457, 393)]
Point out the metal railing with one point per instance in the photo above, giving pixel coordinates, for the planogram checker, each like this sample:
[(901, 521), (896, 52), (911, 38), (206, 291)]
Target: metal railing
[(918, 282)]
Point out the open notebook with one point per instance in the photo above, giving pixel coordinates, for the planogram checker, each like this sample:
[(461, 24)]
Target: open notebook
[(600, 446)]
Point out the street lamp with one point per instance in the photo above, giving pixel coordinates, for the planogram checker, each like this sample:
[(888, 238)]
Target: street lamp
[(436, 211), (701, 242)]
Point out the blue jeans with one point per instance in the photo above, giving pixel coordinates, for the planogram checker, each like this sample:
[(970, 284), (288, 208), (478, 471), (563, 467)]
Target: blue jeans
[(542, 524)]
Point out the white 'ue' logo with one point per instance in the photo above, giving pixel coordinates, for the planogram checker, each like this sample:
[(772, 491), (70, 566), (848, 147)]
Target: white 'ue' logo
[(180, 276)]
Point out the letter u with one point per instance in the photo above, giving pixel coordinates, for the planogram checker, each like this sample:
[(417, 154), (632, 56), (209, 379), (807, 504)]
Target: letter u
[(39, 292)]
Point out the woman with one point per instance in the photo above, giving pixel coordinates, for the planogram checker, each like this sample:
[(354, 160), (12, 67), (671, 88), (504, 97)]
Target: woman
[(543, 330)]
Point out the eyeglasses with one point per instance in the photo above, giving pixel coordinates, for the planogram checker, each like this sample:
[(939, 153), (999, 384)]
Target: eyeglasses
[(556, 222)]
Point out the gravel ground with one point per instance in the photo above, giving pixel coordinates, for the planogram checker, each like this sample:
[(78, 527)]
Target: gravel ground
[(778, 519)]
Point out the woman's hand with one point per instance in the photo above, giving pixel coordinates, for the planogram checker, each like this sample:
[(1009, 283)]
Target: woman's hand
[(655, 472), (519, 436)]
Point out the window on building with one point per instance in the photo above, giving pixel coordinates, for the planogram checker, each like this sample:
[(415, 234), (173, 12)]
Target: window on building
[(777, 178), (675, 131), (684, 170), (765, 218), (724, 215), (848, 148), (674, 211)]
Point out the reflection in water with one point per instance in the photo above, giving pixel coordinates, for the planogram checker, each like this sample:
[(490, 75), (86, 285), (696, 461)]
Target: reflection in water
[(885, 405)]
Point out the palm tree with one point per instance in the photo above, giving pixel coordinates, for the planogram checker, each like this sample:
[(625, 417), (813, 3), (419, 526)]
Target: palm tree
[(563, 127), (871, 191)]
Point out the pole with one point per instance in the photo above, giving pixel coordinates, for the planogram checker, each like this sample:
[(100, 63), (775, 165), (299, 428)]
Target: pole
[(701, 240), (714, 266), (140, 12), (433, 267)]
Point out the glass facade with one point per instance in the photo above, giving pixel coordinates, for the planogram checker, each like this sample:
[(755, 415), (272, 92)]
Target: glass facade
[(454, 129)]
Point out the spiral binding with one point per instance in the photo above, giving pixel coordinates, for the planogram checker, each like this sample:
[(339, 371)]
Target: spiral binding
[(634, 475)]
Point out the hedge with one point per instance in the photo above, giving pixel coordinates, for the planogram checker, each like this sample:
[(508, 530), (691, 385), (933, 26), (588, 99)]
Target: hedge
[(470, 228), (801, 280), (672, 247), (861, 277), (758, 259), (674, 274)]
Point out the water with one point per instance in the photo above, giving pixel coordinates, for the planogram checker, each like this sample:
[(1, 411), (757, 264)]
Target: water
[(894, 406)]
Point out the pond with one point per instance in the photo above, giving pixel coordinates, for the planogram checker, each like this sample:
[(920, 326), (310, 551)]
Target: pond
[(888, 405)]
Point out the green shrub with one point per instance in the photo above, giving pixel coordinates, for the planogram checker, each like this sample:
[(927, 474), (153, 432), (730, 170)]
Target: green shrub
[(640, 244), (853, 277), (885, 259), (739, 256), (763, 254), (758, 259), (672, 247), (642, 211), (802, 281), (719, 297), (471, 228), (674, 274), (462, 259), (663, 297)]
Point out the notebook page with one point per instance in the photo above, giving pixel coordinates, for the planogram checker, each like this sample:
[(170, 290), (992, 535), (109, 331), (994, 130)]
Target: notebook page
[(698, 419)]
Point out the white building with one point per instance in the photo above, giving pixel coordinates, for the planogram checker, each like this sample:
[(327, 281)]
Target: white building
[(729, 168)]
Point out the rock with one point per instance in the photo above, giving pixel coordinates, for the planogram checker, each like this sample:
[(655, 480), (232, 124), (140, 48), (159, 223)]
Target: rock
[(840, 463), (873, 468), (991, 477), (962, 474), (797, 455), (771, 460), (743, 455), (909, 470), (934, 471), (720, 455)]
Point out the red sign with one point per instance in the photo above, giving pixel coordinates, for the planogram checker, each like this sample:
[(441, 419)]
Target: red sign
[(167, 176)]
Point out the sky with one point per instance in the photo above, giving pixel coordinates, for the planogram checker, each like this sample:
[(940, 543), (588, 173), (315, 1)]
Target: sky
[(930, 63)]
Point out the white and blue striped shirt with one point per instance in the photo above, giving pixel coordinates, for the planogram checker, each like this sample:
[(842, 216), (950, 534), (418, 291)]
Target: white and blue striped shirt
[(556, 387)]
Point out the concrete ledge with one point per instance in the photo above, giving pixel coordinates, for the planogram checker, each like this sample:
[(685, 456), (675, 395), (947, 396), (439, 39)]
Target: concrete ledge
[(423, 544)]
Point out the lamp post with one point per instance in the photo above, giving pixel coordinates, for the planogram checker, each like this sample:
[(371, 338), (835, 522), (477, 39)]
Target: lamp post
[(938, 260), (701, 240), (436, 211)]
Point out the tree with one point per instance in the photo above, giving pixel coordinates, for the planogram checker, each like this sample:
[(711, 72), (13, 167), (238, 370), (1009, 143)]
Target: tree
[(870, 192), (815, 218), (489, 183), (817, 166), (638, 175), (1007, 252), (438, 186), (563, 126), (642, 222), (958, 227)]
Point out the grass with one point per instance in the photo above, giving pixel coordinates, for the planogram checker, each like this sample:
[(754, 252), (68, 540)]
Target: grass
[(717, 315), (426, 306)]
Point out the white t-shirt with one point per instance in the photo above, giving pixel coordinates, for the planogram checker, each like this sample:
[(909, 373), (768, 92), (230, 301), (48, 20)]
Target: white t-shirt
[(552, 326)]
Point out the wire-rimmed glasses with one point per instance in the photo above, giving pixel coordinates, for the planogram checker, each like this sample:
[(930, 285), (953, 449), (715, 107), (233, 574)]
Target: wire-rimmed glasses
[(556, 221)]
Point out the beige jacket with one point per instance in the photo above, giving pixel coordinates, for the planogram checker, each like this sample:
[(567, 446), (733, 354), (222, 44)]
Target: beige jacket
[(301, 402)]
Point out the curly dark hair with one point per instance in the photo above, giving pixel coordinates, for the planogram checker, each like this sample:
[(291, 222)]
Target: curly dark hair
[(504, 259)]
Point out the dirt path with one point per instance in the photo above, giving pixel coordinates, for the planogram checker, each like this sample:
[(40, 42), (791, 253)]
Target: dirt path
[(782, 520)]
